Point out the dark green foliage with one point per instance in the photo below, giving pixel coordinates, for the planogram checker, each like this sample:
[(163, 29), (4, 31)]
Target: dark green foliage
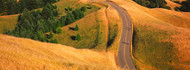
[(59, 30), (68, 9), (62, 21), (78, 37), (53, 41), (33, 25), (152, 3), (49, 11), (69, 18), (78, 14), (83, 9), (185, 6), (50, 35), (36, 24), (76, 28), (8, 7)]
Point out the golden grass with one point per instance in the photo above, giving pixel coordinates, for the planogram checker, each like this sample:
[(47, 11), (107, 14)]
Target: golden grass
[(26, 54), (174, 24)]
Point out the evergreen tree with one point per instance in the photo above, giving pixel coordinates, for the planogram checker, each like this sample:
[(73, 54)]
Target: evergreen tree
[(83, 9), (78, 37), (76, 28), (59, 30), (69, 18), (50, 35)]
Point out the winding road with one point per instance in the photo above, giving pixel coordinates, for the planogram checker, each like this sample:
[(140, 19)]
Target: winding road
[(124, 53)]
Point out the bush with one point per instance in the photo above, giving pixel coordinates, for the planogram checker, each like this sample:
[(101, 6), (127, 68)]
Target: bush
[(76, 28), (59, 30), (152, 3), (83, 9), (50, 35), (78, 37), (53, 41)]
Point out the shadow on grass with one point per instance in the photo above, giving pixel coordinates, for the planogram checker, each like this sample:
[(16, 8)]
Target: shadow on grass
[(73, 37), (71, 28)]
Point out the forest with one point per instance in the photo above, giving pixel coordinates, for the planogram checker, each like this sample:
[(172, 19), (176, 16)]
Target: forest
[(41, 25), (153, 3), (8, 7), (185, 6)]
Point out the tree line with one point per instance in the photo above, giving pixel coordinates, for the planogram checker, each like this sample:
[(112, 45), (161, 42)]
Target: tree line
[(37, 24), (185, 6), (8, 7), (153, 3)]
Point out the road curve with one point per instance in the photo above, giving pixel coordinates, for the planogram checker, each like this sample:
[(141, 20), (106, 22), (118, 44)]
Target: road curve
[(124, 53)]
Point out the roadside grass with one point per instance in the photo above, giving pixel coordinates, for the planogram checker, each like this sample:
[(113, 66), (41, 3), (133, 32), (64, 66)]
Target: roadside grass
[(150, 46), (115, 28), (7, 22)]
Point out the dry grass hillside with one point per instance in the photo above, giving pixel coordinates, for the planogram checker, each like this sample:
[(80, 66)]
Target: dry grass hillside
[(161, 37), (26, 54)]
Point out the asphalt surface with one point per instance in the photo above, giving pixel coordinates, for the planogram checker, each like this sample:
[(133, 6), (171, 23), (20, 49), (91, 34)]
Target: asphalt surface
[(124, 53)]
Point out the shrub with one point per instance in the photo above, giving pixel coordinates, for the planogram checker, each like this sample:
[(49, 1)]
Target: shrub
[(59, 30), (83, 9), (50, 35), (53, 41), (78, 37), (76, 28), (152, 3)]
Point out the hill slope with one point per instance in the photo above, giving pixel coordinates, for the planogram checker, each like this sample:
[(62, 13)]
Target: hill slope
[(161, 37), (26, 54)]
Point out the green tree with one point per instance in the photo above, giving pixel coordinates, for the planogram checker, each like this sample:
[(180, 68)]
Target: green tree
[(47, 13), (59, 30), (76, 28), (53, 40), (69, 18), (78, 37), (50, 35)]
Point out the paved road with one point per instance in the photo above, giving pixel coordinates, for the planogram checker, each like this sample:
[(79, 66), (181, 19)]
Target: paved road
[(124, 54)]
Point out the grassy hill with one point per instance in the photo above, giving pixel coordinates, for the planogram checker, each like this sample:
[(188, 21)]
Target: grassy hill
[(95, 29), (26, 54), (161, 37), (7, 22)]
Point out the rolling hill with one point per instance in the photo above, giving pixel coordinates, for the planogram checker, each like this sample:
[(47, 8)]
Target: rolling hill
[(26, 54), (161, 37)]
